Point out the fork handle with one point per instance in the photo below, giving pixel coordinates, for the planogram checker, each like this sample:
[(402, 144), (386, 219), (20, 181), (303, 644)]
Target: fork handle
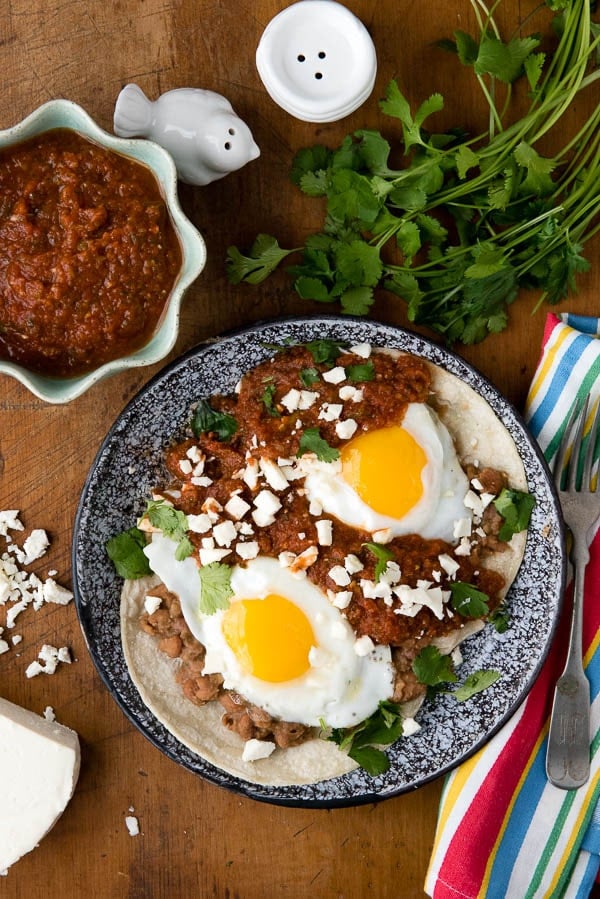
[(568, 756)]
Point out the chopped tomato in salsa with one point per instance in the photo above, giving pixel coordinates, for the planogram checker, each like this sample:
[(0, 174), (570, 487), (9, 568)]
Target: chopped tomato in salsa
[(88, 254)]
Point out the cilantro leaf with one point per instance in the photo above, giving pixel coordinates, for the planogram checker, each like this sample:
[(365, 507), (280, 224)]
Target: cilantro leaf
[(125, 550), (500, 618), (268, 400), (515, 507), (468, 601), (383, 556), (475, 683), (357, 300), (503, 60), (263, 258), (173, 523), (539, 169), (362, 371), (312, 442), (373, 761), (325, 350), (309, 160), (215, 587), (206, 420), (309, 376), (432, 668), (362, 742)]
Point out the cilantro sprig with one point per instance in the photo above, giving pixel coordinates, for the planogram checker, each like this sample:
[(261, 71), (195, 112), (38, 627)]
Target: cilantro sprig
[(383, 556), (173, 523), (126, 552), (464, 222), (312, 442), (207, 420), (515, 507), (363, 742), (215, 587)]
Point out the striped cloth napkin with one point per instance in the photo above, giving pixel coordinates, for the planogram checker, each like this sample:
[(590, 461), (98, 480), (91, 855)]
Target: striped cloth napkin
[(503, 830)]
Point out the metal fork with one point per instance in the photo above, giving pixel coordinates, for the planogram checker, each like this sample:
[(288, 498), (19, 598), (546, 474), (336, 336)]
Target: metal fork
[(568, 756)]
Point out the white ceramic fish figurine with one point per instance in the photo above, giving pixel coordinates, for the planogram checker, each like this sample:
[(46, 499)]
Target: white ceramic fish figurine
[(199, 128)]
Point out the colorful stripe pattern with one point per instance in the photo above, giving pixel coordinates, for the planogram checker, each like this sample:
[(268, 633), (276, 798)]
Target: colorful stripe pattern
[(503, 830)]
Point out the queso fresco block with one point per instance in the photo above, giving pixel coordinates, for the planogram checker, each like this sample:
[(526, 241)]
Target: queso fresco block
[(40, 760)]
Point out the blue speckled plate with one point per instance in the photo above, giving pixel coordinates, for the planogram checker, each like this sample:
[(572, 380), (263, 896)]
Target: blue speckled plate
[(129, 463)]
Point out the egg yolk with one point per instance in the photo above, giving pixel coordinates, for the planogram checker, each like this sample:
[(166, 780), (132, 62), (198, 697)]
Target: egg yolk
[(384, 467), (270, 637)]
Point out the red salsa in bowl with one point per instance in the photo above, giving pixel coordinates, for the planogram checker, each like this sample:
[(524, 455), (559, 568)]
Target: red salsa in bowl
[(88, 254)]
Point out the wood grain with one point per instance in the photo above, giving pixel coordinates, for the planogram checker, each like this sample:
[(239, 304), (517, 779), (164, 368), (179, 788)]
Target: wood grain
[(198, 840)]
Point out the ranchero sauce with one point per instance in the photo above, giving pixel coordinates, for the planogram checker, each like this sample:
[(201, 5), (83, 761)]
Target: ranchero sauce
[(88, 254)]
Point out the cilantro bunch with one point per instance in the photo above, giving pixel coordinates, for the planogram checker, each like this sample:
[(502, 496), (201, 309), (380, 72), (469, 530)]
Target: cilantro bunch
[(464, 222)]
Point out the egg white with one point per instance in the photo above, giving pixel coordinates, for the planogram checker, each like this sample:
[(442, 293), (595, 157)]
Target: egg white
[(341, 687), (444, 485)]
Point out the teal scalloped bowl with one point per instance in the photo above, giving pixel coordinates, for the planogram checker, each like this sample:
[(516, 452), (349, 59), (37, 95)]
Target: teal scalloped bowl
[(66, 114)]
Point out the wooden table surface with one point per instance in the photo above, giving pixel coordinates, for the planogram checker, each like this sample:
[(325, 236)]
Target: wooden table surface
[(197, 839)]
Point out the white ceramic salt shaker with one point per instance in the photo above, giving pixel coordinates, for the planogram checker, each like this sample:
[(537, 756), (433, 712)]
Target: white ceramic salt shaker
[(317, 60), (199, 128)]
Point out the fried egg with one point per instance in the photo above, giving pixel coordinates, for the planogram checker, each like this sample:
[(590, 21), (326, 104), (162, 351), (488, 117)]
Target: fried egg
[(280, 643), (405, 478)]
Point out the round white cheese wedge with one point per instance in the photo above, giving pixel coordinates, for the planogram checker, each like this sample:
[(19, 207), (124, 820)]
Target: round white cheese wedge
[(40, 764)]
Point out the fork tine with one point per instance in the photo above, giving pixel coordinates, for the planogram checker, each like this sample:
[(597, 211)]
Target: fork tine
[(586, 482), (576, 449)]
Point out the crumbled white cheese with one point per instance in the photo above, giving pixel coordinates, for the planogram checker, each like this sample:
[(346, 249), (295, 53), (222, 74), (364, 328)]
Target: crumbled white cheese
[(335, 375), (345, 429), (257, 749), (463, 548), (224, 533), (304, 560), (340, 599), (9, 521), (449, 564), (330, 411), (237, 507), (266, 505), (132, 825), (247, 551), (349, 392), (207, 556), (286, 558), (251, 473), (352, 564), (185, 466), (53, 592), (410, 727), (199, 524), (339, 576), (35, 545), (315, 508), (324, 532), (274, 476), (152, 603), (382, 536), (361, 349), (291, 400), (307, 399), (49, 658)]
